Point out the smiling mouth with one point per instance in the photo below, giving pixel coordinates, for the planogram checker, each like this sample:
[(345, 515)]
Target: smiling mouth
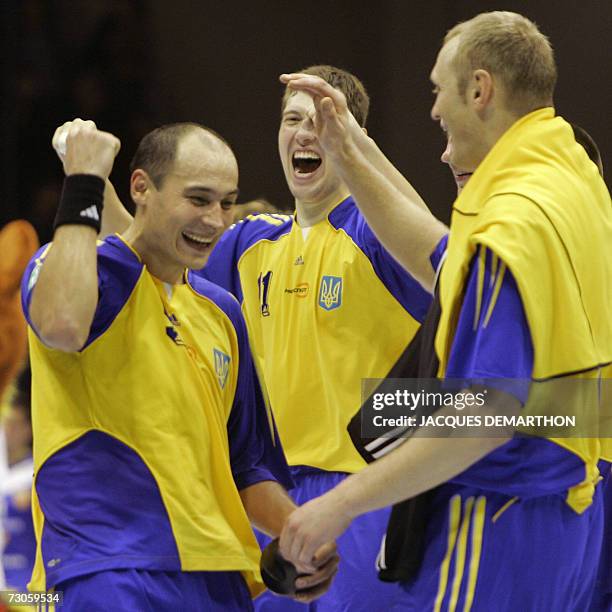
[(305, 162), (197, 242)]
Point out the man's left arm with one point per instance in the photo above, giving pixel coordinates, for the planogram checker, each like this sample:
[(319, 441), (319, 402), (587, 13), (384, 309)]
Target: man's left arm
[(418, 465), (492, 325)]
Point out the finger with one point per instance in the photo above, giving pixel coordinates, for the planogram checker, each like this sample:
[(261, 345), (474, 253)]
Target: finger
[(328, 109), (309, 595), (87, 124), (302, 561), (324, 554), (322, 574), (57, 135), (287, 543), (287, 76), (314, 84), (115, 141), (306, 556)]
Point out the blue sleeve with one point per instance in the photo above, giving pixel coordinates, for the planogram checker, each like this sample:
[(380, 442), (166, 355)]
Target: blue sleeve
[(256, 453), (29, 279), (492, 339), (222, 265), (404, 288), (436, 257), (118, 272)]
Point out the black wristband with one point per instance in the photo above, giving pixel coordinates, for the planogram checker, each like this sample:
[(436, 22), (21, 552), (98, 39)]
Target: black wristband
[(81, 202)]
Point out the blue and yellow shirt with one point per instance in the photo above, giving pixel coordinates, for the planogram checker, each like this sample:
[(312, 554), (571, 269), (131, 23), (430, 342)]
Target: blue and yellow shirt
[(492, 341), (323, 312), (539, 206), (143, 438)]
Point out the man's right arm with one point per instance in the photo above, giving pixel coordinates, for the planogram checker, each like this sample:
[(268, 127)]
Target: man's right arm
[(392, 208), (116, 218), (64, 299)]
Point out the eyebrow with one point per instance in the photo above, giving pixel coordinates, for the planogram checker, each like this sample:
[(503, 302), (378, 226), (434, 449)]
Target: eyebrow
[(294, 111)]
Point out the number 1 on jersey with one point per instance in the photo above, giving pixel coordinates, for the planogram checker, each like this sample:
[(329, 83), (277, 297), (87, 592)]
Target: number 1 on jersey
[(263, 283)]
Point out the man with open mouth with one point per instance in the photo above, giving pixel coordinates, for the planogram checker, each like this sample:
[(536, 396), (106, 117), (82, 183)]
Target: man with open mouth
[(326, 306), (514, 522), (355, 311), (153, 449)]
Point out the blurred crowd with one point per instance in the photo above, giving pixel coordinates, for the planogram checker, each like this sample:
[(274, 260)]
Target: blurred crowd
[(88, 60)]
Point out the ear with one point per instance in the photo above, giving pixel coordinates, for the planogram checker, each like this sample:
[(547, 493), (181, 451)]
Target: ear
[(365, 131), (140, 187), (481, 93)]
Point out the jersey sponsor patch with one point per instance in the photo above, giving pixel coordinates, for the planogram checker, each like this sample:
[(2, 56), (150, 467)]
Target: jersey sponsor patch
[(222, 361), (330, 293), (300, 290)]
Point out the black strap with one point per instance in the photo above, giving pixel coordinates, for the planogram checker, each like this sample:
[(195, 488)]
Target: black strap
[(81, 201)]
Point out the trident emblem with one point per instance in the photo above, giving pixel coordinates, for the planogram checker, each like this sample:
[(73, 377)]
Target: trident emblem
[(222, 362), (330, 294)]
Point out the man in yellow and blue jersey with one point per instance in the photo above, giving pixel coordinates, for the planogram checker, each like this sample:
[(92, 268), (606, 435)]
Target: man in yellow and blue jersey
[(326, 306), (153, 449), (524, 284)]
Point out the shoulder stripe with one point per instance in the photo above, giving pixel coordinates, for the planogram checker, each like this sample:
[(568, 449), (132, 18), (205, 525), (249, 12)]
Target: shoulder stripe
[(482, 258), (494, 263), (272, 219), (498, 283)]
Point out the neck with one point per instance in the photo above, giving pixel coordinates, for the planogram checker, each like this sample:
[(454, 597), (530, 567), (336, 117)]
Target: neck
[(310, 213), (503, 121), (155, 261)]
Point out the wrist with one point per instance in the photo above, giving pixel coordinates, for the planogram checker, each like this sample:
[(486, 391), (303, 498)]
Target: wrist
[(342, 500), (345, 155), (81, 201)]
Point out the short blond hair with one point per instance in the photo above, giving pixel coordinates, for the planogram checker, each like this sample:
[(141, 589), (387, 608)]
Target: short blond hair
[(511, 48)]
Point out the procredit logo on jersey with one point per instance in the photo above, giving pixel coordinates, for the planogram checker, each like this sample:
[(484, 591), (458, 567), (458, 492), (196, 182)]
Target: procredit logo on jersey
[(300, 290), (222, 362), (330, 293)]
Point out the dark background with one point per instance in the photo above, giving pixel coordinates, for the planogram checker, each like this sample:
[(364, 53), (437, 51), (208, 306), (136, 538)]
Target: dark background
[(133, 64)]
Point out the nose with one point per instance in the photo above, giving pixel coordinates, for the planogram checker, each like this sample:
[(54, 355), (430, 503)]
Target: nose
[(435, 115), (306, 131), (216, 217)]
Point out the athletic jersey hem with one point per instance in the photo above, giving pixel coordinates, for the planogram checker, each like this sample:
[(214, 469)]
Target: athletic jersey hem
[(191, 563)]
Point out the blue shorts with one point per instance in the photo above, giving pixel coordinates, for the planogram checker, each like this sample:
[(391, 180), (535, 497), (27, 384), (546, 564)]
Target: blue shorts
[(488, 552), (356, 587), (133, 590), (602, 597)]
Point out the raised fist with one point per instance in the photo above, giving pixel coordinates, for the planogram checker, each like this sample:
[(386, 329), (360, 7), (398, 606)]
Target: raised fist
[(83, 149)]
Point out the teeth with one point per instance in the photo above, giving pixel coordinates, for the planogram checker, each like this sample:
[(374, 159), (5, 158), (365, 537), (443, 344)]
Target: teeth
[(306, 155), (196, 238)]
